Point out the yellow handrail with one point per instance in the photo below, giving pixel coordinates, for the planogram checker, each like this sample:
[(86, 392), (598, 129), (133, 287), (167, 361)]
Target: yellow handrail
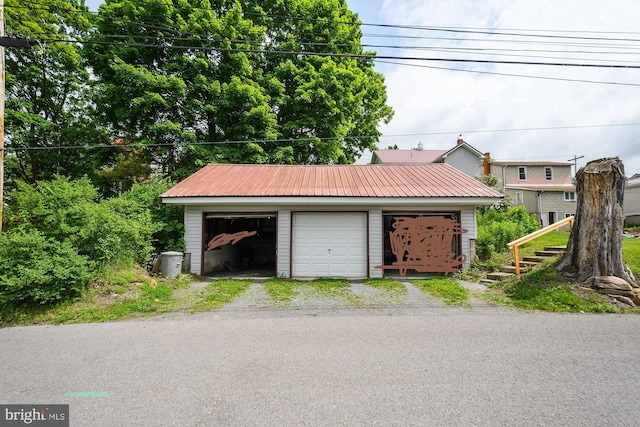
[(529, 237)]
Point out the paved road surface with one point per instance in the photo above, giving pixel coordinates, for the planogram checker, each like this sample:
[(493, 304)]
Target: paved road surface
[(434, 366)]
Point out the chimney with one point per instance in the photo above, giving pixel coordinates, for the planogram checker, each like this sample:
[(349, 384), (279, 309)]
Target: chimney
[(487, 167), (420, 146)]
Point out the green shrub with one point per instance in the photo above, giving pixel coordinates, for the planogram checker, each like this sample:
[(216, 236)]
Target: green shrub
[(36, 269), (115, 230), (496, 228), (168, 232)]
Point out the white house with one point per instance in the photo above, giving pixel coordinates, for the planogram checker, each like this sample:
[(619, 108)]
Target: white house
[(328, 221), (462, 157)]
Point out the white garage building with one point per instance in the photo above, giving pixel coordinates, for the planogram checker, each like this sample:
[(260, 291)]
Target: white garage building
[(318, 221)]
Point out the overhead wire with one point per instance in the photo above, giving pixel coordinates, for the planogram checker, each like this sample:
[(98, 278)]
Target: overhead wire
[(265, 141)]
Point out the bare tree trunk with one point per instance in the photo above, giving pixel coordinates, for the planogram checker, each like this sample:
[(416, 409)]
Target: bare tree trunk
[(595, 244)]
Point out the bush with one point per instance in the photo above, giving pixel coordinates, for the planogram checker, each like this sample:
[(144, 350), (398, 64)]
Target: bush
[(116, 230), (496, 228), (168, 232), (36, 269)]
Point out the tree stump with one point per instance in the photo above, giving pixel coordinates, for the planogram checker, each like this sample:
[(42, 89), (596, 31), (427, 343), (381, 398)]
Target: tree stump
[(595, 244)]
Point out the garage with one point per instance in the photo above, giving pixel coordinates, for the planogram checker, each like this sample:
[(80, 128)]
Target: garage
[(329, 244), (306, 221)]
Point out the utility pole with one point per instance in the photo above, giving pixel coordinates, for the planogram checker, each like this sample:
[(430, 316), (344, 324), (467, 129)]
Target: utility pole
[(574, 160)]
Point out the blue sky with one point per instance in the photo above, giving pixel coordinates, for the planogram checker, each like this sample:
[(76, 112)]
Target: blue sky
[(552, 114)]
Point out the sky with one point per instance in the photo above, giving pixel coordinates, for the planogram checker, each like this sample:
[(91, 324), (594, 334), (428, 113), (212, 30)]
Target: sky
[(512, 111)]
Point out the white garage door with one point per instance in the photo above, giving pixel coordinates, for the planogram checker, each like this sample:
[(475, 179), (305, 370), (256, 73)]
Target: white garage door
[(329, 244)]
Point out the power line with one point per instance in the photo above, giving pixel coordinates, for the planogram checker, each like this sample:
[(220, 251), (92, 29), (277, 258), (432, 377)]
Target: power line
[(494, 73), (304, 139), (512, 32), (350, 56)]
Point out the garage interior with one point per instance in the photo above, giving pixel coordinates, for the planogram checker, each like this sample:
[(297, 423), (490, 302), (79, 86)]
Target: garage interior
[(251, 250)]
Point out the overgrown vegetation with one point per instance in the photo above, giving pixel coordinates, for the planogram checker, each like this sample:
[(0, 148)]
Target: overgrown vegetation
[(60, 235), (118, 292), (498, 227)]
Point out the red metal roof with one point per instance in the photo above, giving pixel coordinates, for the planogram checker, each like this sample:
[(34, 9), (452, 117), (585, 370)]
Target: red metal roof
[(425, 180)]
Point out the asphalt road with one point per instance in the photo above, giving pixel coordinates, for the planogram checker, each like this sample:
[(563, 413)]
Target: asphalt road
[(429, 367)]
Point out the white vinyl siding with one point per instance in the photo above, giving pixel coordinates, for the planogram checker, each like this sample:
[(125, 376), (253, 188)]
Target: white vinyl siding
[(283, 244), (193, 236), (376, 244), (468, 222), (465, 161)]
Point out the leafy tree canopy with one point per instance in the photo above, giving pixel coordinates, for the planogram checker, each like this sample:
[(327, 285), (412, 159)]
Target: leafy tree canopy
[(49, 100), (248, 81)]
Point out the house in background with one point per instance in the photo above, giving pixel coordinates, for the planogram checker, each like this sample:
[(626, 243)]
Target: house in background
[(326, 221), (463, 157), (631, 204), (546, 189)]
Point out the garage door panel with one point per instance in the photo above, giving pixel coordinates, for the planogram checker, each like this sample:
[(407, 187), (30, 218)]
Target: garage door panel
[(345, 234)]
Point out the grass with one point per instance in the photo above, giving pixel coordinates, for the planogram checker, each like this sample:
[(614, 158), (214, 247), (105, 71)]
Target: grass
[(282, 290), (446, 289), (130, 292), (118, 293), (219, 293), (285, 290), (544, 289), (389, 285), (631, 255)]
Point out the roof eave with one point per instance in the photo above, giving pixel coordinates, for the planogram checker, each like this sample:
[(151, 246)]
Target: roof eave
[(332, 201)]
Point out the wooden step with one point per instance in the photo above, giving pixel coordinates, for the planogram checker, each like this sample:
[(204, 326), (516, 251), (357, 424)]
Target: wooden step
[(512, 269), (534, 259), (527, 264), (556, 248), (499, 275), (548, 254)]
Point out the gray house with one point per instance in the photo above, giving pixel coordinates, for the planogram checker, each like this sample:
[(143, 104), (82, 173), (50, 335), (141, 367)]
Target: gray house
[(350, 221), (546, 189), (462, 156)]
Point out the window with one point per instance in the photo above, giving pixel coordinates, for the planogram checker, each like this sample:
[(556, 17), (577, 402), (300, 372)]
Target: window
[(519, 198), (522, 173), (569, 196), (567, 215), (548, 173)]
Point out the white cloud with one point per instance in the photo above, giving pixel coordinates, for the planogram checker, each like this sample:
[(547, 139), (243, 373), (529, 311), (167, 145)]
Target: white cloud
[(429, 101)]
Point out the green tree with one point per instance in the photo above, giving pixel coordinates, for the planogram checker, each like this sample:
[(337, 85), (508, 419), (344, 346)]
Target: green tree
[(223, 73), (49, 93)]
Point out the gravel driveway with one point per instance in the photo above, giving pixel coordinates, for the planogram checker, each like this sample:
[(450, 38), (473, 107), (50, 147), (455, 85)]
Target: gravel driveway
[(363, 299)]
